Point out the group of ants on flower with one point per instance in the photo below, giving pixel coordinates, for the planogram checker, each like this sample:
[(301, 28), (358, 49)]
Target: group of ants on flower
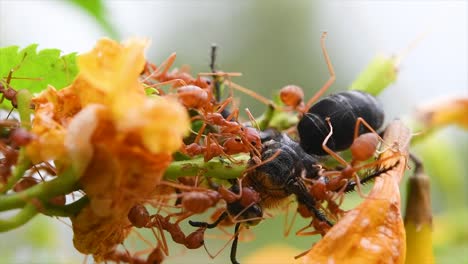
[(278, 166)]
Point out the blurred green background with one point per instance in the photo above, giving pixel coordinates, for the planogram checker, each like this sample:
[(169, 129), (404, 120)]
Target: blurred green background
[(273, 43)]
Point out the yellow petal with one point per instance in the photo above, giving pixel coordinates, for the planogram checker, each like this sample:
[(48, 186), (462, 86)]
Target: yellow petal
[(109, 75), (161, 122), (446, 112), (78, 137)]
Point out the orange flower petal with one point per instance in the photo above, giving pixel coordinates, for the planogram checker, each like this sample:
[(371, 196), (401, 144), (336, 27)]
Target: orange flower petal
[(442, 113), (373, 232)]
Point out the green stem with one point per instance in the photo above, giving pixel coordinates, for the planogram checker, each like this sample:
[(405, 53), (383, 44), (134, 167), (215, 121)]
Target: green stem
[(66, 210), (22, 166), (24, 98), (216, 168), (63, 184), (264, 120), (26, 214), (380, 73)]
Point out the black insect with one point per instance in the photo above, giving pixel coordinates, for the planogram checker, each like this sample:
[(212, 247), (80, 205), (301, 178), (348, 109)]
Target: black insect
[(343, 109), (284, 164)]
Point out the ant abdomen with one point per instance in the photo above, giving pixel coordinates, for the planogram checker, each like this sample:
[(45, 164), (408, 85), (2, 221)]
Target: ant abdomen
[(343, 109)]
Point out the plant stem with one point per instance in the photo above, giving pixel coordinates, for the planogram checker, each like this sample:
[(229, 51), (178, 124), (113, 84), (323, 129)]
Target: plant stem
[(24, 98), (216, 168), (66, 210), (26, 214), (63, 184)]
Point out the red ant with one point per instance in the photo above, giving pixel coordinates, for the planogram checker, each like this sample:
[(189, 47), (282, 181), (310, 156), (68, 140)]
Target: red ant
[(210, 149), (162, 74), (292, 96), (332, 185), (363, 148), (140, 217), (197, 200), (239, 137)]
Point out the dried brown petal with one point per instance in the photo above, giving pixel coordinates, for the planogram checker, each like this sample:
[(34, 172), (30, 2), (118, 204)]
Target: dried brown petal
[(373, 232)]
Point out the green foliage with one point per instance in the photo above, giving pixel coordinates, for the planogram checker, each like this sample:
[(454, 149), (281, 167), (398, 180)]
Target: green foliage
[(445, 168), (36, 69), (380, 73), (97, 10)]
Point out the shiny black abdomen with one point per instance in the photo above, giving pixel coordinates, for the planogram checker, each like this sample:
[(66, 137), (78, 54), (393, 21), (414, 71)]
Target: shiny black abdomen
[(343, 109)]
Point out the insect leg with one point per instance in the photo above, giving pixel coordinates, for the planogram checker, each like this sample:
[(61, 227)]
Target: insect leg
[(330, 81), (212, 225), (234, 244)]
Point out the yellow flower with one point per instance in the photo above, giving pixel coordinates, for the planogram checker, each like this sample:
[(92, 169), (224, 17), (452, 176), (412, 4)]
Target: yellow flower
[(118, 140)]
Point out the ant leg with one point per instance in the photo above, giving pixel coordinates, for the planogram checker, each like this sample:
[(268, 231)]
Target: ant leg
[(140, 236), (183, 216), (235, 237), (208, 151), (331, 71), (220, 149), (252, 119), (200, 133), (167, 64), (276, 154), (181, 186), (169, 82), (224, 104), (352, 184), (234, 244), (212, 225), (10, 74), (287, 228), (301, 232), (254, 95), (202, 129), (302, 254), (360, 121), (328, 150), (11, 111), (230, 196)]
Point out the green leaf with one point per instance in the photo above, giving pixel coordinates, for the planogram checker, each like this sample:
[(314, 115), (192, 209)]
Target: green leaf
[(380, 73), (36, 69), (97, 10)]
